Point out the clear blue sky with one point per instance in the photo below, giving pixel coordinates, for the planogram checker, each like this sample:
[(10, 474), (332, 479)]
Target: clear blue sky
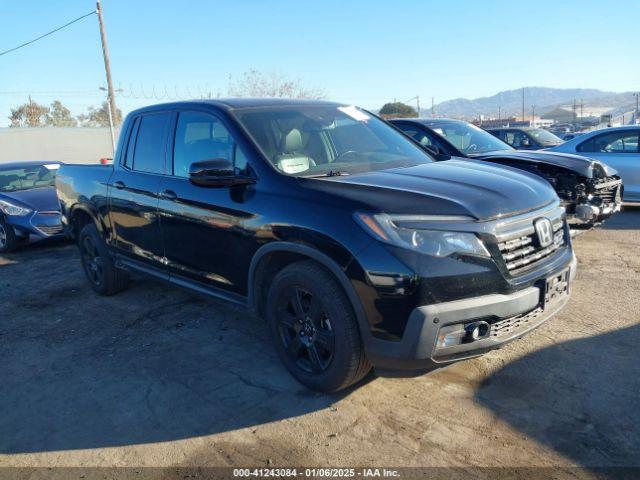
[(364, 52)]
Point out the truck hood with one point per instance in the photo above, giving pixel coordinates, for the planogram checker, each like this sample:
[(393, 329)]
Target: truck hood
[(452, 187), (576, 163), (43, 199)]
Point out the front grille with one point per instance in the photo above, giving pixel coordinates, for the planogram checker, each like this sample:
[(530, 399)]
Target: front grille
[(607, 190), (508, 326), (524, 251), (50, 229)]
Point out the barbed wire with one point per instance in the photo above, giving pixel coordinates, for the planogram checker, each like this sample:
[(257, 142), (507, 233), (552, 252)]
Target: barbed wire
[(165, 92)]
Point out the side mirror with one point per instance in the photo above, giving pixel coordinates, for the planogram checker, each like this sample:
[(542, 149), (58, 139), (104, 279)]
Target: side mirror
[(217, 172)]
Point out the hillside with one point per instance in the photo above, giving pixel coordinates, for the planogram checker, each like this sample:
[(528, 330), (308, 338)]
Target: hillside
[(545, 99)]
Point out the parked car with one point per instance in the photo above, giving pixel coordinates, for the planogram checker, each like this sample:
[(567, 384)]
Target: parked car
[(349, 239), (589, 190), (618, 147), (29, 208), (526, 138)]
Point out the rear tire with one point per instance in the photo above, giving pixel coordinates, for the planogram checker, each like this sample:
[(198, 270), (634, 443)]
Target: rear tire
[(314, 328), (8, 239), (97, 263)]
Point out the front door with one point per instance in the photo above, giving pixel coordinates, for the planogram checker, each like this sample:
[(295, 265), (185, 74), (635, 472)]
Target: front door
[(134, 188), (618, 149), (204, 229)]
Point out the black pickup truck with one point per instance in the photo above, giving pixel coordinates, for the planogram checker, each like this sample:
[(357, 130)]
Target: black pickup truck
[(356, 247)]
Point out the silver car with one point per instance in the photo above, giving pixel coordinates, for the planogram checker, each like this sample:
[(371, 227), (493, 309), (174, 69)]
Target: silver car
[(617, 147)]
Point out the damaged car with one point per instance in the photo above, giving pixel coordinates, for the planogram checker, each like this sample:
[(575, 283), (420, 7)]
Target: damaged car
[(589, 190)]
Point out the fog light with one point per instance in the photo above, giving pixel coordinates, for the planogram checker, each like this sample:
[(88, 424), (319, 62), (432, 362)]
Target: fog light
[(476, 331)]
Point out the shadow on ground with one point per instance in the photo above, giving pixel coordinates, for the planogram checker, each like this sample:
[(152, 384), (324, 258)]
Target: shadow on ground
[(628, 219), (151, 364), (579, 397)]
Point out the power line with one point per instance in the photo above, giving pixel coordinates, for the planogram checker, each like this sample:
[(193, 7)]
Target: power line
[(47, 34)]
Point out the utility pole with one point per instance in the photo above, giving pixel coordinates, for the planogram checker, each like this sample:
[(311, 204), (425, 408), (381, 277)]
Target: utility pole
[(574, 110), (523, 104), (581, 109), (499, 108), (433, 112), (107, 64), (635, 119), (418, 104)]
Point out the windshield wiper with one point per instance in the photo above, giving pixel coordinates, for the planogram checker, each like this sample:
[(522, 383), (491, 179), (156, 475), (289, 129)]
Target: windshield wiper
[(330, 173)]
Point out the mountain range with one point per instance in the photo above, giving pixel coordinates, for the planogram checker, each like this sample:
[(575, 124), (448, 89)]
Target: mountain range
[(509, 102)]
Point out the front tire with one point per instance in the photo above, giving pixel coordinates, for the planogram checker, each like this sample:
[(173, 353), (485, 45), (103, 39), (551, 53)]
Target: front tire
[(314, 328), (97, 263), (8, 239)]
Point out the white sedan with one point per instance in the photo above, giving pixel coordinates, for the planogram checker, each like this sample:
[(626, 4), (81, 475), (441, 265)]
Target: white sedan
[(618, 147)]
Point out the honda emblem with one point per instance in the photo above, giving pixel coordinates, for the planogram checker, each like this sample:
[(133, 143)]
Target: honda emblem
[(545, 231)]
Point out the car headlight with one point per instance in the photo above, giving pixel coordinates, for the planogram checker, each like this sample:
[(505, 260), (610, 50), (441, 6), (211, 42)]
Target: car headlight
[(417, 232), (13, 210)]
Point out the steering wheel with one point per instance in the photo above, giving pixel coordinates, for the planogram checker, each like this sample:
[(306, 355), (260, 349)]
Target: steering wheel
[(472, 148), (344, 154)]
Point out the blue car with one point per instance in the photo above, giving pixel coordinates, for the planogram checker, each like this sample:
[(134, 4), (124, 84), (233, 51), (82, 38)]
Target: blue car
[(29, 206)]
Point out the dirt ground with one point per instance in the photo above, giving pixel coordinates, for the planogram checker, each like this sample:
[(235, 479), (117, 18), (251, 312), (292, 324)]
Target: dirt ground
[(158, 376)]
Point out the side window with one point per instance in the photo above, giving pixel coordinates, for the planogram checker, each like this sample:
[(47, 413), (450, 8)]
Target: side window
[(417, 135), (615, 142), (514, 138), (149, 154), (200, 136)]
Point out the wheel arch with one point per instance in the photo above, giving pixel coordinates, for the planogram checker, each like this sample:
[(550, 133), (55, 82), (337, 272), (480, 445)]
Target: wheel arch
[(272, 257), (79, 217)]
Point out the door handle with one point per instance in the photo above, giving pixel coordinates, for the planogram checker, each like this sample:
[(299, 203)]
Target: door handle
[(119, 185), (168, 195)]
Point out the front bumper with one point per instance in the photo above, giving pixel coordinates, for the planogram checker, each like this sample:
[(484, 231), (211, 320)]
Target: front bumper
[(604, 201), (423, 346), (37, 225)]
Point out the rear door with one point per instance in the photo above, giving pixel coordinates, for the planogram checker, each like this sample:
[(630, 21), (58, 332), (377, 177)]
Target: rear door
[(620, 150), (134, 188)]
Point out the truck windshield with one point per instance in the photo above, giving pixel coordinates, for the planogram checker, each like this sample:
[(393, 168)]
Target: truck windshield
[(26, 178), (468, 138), (318, 140)]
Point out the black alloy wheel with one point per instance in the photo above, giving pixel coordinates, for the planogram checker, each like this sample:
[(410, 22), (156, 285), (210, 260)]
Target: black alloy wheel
[(305, 330), (91, 261)]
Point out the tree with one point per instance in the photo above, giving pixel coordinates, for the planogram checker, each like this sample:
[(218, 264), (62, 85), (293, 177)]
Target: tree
[(99, 117), (31, 114), (60, 116), (397, 109), (259, 84)]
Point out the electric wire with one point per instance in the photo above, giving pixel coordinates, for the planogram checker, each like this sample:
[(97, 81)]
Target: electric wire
[(47, 34)]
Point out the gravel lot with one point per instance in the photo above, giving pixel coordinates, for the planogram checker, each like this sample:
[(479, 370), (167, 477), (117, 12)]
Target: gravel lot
[(157, 376)]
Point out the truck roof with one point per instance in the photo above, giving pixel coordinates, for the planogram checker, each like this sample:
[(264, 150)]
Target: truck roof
[(238, 103)]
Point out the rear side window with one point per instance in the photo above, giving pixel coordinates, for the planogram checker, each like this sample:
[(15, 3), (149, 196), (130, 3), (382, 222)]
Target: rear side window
[(131, 143), (150, 147), (615, 142)]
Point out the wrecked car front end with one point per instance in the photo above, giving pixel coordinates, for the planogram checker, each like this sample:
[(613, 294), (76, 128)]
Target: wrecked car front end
[(590, 191)]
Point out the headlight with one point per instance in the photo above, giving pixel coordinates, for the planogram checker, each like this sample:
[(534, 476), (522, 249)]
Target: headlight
[(416, 232), (13, 210)]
